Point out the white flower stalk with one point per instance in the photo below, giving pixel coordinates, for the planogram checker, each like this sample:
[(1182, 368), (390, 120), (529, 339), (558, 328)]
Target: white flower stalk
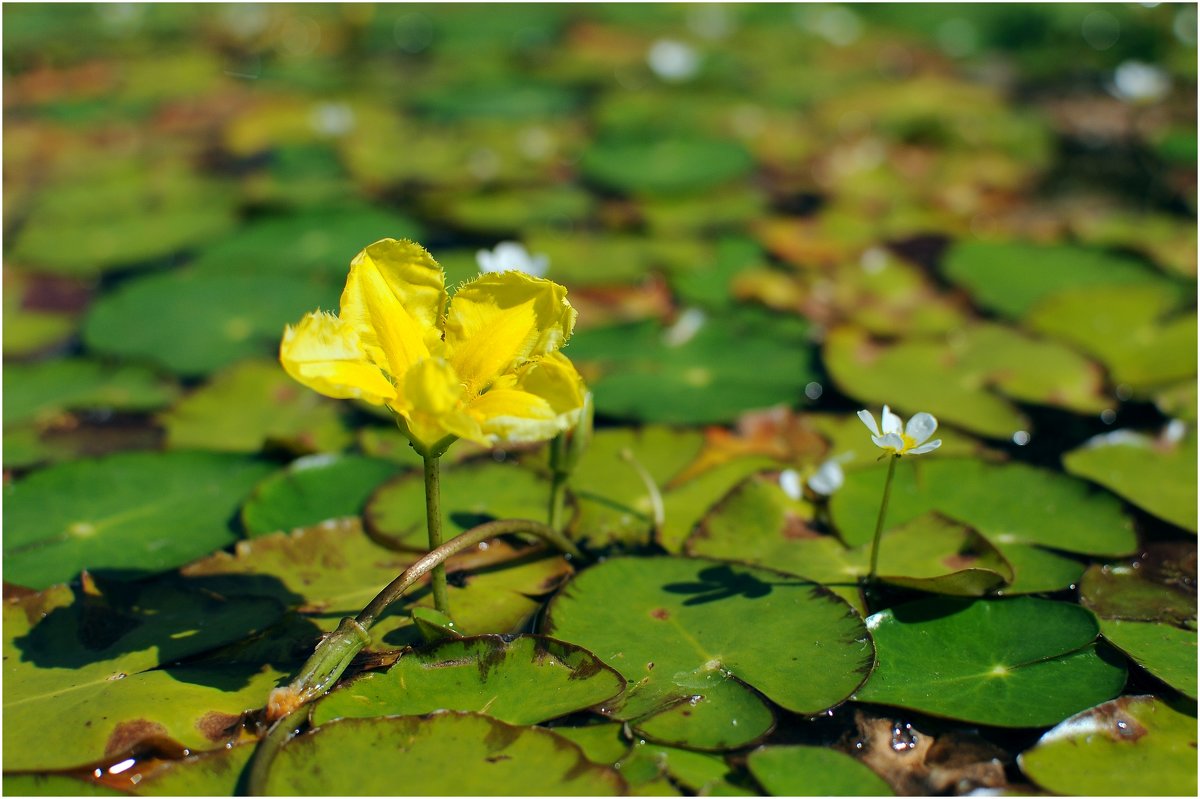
[(899, 439), (511, 256)]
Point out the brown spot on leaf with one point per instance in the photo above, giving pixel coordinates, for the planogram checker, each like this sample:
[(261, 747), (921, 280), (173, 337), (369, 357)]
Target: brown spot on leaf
[(130, 734), (217, 726), (795, 528), (662, 614), (960, 561)]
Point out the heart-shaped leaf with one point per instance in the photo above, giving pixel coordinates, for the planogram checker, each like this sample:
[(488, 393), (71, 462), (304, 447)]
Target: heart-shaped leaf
[(813, 771), (1165, 651), (43, 391)]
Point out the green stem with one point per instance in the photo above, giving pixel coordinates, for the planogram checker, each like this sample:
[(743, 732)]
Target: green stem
[(887, 493), (433, 523), (558, 495), (282, 731)]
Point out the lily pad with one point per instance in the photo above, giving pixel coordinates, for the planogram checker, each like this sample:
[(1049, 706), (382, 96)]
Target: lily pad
[(522, 680), (1037, 570), (675, 626), (1145, 589), (471, 494), (313, 489), (699, 772), (216, 773), (1011, 277), (1157, 476), (54, 785), (447, 753), (980, 660), (813, 771), (1054, 510), (589, 259), (957, 379), (90, 666), (506, 211), (194, 323), (1132, 746), (272, 411), (134, 512), (29, 329), (641, 371), (46, 390), (603, 743), (1166, 651), (671, 166)]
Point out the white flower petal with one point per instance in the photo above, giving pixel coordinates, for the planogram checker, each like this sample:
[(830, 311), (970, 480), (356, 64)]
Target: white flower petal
[(789, 481), (828, 478), (869, 421), (891, 423), (921, 450), (889, 441), (921, 427)]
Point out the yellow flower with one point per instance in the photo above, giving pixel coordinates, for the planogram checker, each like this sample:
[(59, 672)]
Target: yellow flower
[(485, 369)]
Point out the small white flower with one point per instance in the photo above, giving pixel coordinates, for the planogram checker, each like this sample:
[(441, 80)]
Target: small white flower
[(789, 481), (828, 478), (673, 61), (897, 438), (685, 328), (510, 256)]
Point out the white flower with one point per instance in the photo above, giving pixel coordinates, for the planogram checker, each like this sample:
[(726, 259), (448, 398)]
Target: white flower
[(828, 478), (673, 61), (789, 481), (897, 438), (510, 256)]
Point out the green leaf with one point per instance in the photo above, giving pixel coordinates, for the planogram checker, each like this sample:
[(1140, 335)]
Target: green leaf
[(603, 743), (509, 210), (1054, 510), (218, 773), (523, 680), (136, 512), (252, 405), (497, 99), (1165, 651), (1132, 746), (813, 771), (961, 381), (1157, 476), (687, 503), (580, 258), (29, 329), (54, 785), (313, 489), (649, 374), (671, 166), (980, 660), (333, 570), (90, 666), (699, 772), (194, 323), (1152, 588), (1037, 570), (678, 628), (447, 753), (43, 391), (1011, 277), (471, 494)]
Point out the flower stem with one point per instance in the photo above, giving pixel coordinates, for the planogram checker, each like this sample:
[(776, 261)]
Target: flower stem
[(433, 522), (558, 479), (282, 731), (887, 493)]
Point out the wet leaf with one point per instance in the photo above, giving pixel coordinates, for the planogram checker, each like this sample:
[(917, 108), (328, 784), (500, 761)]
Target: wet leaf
[(217, 773), (677, 627), (979, 660), (523, 680), (813, 771), (1054, 511), (471, 495), (46, 390), (669, 166), (1165, 651), (311, 490), (195, 323), (1037, 570), (447, 753), (136, 513), (1157, 476), (273, 411), (1132, 746), (1154, 587)]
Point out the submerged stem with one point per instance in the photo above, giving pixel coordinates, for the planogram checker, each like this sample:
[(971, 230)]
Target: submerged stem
[(887, 493), (433, 523)]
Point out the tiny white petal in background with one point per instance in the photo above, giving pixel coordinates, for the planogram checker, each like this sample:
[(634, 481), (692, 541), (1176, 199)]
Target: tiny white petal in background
[(1137, 82), (673, 60), (685, 328), (789, 481), (828, 478), (1174, 432), (510, 256), (332, 119)]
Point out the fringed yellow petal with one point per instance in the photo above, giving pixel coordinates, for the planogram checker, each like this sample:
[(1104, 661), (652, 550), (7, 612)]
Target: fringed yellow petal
[(323, 352), (541, 400), (499, 321), (394, 298), (431, 401)]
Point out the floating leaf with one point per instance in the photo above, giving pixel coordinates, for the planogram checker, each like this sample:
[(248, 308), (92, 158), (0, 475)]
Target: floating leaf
[(134, 512), (272, 410), (1165, 651), (1153, 587), (29, 329), (676, 627), (1159, 477), (685, 504), (447, 753), (603, 743), (699, 772), (588, 259), (43, 391), (1037, 570), (217, 773), (980, 660), (54, 785), (670, 165), (1054, 511), (1132, 746), (646, 373), (471, 494), (313, 489), (504, 211), (813, 771), (954, 379), (195, 323), (523, 680)]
